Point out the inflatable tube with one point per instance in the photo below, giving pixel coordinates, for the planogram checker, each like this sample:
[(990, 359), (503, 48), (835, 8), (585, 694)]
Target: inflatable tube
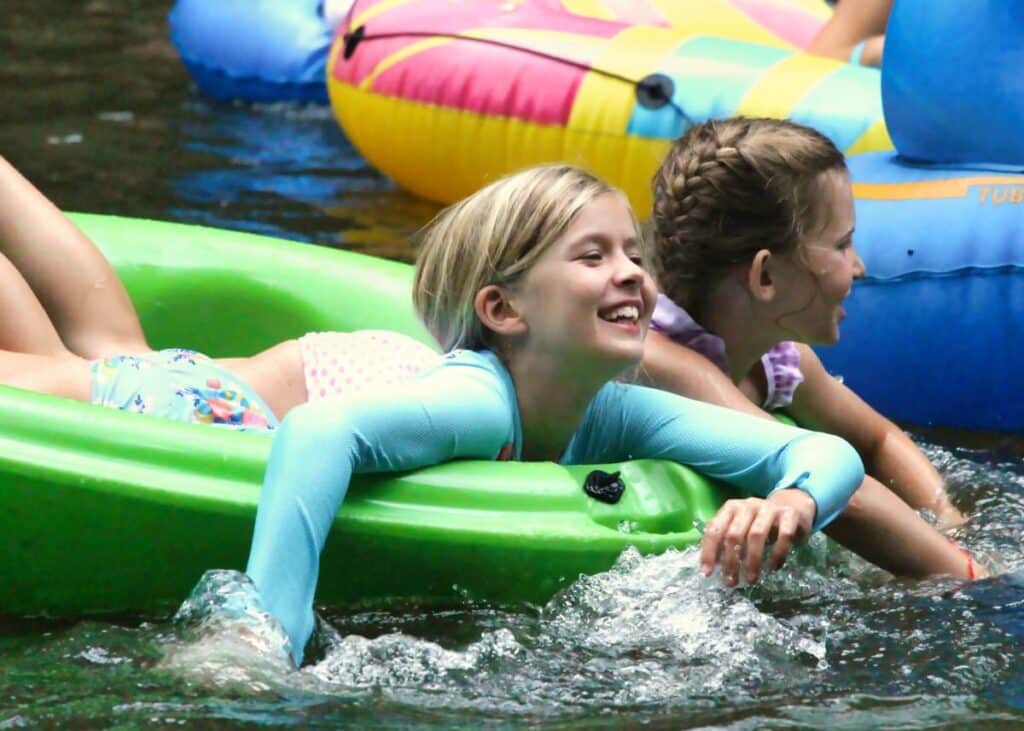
[(276, 50), (934, 331), (254, 50), (106, 510), (444, 98), (789, 23), (951, 81)]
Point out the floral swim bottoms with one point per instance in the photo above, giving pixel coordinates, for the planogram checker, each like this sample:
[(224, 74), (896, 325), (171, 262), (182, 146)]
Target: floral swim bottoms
[(180, 385)]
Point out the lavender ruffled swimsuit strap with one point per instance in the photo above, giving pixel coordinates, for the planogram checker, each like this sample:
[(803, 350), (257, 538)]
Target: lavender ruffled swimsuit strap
[(781, 362)]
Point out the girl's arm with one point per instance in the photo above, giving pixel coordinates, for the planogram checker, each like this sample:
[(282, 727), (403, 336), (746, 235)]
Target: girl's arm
[(453, 412), (759, 456), (884, 530), (822, 402), (876, 524), (807, 477), (673, 367), (853, 21), (74, 282)]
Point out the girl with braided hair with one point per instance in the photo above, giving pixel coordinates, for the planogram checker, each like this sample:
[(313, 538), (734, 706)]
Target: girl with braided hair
[(753, 226)]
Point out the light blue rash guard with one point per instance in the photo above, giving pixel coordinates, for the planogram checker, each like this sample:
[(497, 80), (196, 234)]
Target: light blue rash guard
[(466, 408)]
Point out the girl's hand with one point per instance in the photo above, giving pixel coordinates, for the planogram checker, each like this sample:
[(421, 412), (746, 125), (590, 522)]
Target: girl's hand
[(949, 517), (741, 529)]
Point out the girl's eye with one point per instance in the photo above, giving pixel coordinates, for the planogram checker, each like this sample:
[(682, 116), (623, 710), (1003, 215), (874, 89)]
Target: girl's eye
[(591, 256), (637, 259)]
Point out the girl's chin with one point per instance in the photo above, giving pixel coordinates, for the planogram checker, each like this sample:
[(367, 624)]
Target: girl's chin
[(617, 347), (617, 360), (631, 359)]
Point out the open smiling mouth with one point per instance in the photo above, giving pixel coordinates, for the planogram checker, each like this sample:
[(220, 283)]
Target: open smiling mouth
[(626, 316)]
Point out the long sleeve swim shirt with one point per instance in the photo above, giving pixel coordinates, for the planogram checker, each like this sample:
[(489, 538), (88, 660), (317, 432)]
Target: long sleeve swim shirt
[(466, 408)]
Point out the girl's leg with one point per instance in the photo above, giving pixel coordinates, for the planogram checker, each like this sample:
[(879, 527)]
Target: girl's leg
[(78, 288), (25, 327)]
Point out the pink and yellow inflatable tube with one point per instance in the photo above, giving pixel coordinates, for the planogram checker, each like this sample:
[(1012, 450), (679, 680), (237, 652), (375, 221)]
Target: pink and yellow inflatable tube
[(446, 96), (773, 22)]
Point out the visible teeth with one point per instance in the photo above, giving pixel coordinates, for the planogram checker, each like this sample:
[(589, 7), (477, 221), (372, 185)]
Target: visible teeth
[(626, 312)]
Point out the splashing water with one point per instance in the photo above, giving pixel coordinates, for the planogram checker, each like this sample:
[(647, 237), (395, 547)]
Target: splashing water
[(227, 639), (652, 630)]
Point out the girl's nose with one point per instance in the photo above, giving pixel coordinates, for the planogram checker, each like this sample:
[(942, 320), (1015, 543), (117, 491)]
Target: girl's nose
[(628, 271), (859, 269)]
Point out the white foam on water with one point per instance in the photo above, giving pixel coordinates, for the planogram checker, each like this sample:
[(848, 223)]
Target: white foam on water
[(650, 630), (225, 639)]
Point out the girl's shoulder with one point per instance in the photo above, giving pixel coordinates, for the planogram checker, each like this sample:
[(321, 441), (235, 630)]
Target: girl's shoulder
[(484, 360), (676, 323), (772, 381), (482, 366)]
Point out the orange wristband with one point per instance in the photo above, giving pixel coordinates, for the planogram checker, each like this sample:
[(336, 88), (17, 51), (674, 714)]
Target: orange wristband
[(971, 573)]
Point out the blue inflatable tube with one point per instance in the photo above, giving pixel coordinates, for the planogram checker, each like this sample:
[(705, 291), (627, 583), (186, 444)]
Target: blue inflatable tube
[(935, 331), (952, 83), (254, 50)]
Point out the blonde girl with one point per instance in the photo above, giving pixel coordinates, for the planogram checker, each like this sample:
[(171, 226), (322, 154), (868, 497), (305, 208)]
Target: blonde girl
[(538, 289)]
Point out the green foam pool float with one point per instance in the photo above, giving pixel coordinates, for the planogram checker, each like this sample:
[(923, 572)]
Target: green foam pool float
[(107, 511)]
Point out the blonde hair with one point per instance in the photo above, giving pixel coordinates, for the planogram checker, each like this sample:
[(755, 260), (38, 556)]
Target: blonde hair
[(729, 188), (493, 237)]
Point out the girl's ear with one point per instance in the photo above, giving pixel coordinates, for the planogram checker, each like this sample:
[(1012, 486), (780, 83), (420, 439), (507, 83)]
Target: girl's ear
[(497, 312), (761, 280)]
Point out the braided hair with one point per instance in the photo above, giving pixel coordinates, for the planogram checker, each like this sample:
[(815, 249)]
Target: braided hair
[(729, 188)]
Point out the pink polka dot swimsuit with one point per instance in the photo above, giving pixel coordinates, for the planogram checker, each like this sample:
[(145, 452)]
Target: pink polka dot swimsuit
[(337, 363)]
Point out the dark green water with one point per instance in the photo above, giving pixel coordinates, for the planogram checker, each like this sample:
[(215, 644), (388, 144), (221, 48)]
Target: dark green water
[(97, 111)]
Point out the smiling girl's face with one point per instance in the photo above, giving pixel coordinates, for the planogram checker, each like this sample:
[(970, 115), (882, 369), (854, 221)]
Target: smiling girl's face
[(816, 278), (588, 296)]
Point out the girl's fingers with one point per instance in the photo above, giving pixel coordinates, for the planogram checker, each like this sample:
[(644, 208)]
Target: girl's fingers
[(757, 537), (714, 532), (735, 541), (788, 527), (739, 533)]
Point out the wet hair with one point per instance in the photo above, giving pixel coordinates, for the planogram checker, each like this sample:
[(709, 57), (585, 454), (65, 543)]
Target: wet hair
[(729, 188), (493, 237)]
